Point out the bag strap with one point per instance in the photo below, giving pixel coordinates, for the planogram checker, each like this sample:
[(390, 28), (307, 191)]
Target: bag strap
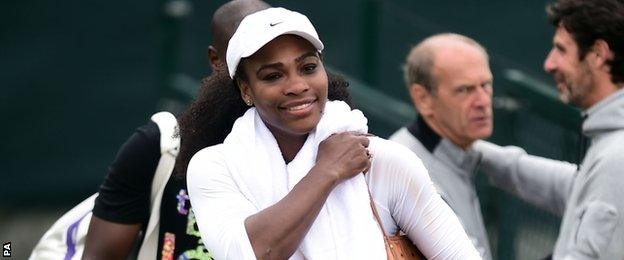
[(374, 208), (169, 147), (372, 204)]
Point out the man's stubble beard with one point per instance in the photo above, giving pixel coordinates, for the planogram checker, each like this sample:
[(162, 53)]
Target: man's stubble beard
[(578, 91)]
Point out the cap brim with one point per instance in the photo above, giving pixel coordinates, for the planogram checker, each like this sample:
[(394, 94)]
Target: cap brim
[(261, 43)]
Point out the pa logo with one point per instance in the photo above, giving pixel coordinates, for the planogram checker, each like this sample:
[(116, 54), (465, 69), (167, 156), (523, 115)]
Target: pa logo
[(6, 249)]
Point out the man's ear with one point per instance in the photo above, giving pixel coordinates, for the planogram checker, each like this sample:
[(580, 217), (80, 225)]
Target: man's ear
[(421, 99), (213, 57), (601, 54)]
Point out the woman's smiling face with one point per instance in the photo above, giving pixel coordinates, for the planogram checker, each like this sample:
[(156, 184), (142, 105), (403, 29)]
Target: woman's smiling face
[(287, 83)]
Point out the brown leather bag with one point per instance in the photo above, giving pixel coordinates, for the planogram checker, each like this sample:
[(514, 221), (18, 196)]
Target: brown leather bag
[(397, 246)]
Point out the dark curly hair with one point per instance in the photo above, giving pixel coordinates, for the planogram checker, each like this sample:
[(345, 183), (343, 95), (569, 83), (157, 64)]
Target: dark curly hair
[(209, 119), (590, 20)]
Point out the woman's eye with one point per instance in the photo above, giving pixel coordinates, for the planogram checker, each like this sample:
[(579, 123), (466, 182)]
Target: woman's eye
[(272, 77), (309, 68)]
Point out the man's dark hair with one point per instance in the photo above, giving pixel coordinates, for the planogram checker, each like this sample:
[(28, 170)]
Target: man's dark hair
[(590, 20)]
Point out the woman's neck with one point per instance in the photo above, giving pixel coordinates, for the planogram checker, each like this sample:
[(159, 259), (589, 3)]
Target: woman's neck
[(289, 144)]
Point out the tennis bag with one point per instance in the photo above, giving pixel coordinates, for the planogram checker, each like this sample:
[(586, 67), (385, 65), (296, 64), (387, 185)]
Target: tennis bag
[(66, 238)]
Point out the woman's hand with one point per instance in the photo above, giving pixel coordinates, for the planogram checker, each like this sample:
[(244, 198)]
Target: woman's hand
[(344, 155)]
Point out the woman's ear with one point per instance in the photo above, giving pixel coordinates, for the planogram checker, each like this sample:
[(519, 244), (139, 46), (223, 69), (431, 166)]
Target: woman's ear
[(421, 99), (245, 91)]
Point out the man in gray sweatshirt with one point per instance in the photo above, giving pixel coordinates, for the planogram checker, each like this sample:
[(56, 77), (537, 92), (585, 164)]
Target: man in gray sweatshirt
[(587, 63)]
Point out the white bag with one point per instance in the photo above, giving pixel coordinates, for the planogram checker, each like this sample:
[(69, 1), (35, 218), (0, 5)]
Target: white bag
[(66, 238)]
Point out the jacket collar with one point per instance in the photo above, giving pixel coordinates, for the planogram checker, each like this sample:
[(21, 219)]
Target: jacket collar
[(424, 134), (606, 115), (445, 150)]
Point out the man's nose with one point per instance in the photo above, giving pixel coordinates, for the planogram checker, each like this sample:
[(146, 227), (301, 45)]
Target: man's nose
[(483, 97), (549, 63)]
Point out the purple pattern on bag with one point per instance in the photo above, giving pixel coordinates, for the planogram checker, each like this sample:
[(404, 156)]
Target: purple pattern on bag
[(70, 241)]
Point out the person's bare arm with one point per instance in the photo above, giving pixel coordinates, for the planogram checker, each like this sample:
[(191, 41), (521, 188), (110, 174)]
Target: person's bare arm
[(109, 240)]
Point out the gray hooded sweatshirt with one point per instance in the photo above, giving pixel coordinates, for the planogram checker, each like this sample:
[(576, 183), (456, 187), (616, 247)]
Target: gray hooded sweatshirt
[(590, 199)]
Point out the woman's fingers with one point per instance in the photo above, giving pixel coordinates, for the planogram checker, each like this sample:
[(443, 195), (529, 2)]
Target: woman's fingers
[(346, 151)]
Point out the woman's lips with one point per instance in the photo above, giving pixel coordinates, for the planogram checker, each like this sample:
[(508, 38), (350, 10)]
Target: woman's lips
[(299, 108)]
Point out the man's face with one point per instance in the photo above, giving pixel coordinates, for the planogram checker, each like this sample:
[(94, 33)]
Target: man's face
[(573, 76), (461, 107)]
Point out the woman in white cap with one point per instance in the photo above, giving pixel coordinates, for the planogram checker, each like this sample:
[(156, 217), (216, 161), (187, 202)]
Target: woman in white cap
[(287, 182)]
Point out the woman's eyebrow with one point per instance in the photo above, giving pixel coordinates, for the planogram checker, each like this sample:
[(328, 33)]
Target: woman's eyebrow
[(305, 55), (279, 64), (270, 65)]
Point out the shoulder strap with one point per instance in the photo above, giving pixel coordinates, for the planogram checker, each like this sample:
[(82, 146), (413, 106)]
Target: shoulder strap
[(372, 204), (169, 146)]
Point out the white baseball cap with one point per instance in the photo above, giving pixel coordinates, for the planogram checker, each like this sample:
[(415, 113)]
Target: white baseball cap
[(259, 28)]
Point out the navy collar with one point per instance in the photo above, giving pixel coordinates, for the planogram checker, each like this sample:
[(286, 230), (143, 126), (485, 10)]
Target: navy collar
[(447, 152), (424, 134)]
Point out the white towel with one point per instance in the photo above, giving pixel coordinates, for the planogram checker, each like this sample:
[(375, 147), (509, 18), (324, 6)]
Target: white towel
[(345, 227)]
